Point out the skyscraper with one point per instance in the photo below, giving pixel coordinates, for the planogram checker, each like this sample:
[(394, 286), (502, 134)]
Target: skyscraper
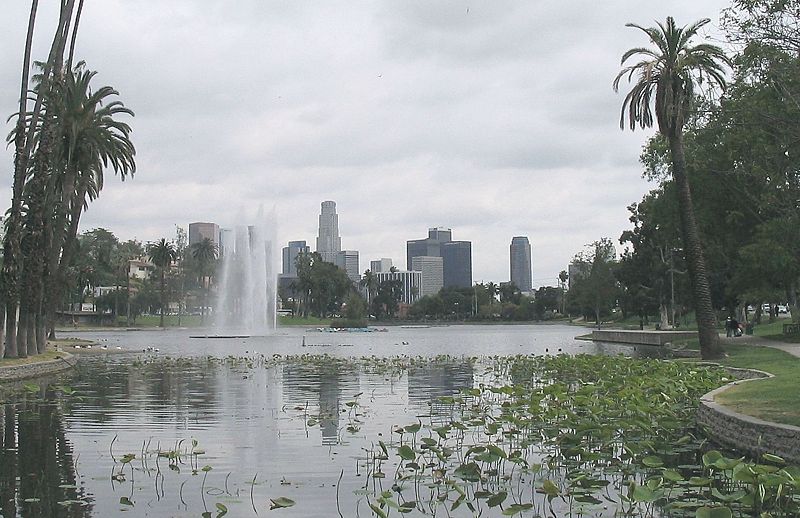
[(521, 266), (199, 231), (432, 269), (328, 242), (347, 260), (457, 261), (290, 254), (456, 256)]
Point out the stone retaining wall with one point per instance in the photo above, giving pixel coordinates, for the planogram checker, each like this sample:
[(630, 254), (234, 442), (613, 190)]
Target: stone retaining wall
[(744, 433), (35, 370), (627, 336)]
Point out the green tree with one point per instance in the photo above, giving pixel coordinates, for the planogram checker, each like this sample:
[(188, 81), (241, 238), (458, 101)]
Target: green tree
[(370, 283), (563, 276), (667, 75), (90, 138), (204, 254), (33, 133), (387, 300), (509, 293), (162, 254)]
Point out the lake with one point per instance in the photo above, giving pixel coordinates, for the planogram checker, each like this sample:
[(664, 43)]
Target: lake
[(215, 425)]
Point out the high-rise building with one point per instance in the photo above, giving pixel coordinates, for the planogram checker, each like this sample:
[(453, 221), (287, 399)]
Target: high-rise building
[(199, 231), (457, 262), (432, 270), (290, 254), (347, 260), (521, 265), (456, 256), (384, 264), (328, 241), (411, 283), (226, 239)]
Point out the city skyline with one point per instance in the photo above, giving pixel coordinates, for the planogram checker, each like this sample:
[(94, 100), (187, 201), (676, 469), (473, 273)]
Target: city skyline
[(495, 119)]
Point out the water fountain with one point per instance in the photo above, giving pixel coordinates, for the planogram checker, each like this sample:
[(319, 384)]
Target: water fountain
[(247, 291)]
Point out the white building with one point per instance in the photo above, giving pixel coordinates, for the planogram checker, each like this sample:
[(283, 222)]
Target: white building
[(140, 268), (432, 270), (411, 283)]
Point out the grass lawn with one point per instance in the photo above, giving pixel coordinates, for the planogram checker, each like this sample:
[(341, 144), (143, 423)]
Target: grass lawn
[(286, 320), (169, 321), (47, 356), (776, 399), (774, 330)]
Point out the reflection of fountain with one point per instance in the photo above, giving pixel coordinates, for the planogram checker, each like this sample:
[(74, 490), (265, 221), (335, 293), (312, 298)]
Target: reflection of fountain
[(247, 291)]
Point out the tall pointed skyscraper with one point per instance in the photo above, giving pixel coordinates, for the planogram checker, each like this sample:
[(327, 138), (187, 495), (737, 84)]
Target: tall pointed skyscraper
[(329, 244)]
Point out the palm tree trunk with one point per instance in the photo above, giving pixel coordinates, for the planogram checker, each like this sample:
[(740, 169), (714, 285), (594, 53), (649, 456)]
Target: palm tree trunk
[(22, 332), (710, 347), (11, 329), (11, 244), (128, 296), (41, 332), (2, 328), (163, 289)]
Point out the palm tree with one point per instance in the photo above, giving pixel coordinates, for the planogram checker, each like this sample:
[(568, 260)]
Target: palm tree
[(667, 75), (492, 290), (563, 276), (90, 138), (163, 254), (205, 254), (369, 281)]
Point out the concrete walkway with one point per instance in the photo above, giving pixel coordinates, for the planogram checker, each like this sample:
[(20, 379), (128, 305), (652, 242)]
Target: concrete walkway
[(793, 349)]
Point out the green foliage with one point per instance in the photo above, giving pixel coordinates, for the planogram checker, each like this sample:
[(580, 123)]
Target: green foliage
[(594, 290), (387, 300), (322, 286), (742, 157)]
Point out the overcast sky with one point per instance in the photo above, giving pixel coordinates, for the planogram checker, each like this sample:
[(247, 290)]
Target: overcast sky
[(493, 118)]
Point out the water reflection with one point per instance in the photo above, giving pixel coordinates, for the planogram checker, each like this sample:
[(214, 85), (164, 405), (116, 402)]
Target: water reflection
[(37, 467), (294, 424), (321, 384)]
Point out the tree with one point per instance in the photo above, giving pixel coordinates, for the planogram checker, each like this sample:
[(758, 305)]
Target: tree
[(509, 293), (369, 282), (162, 254), (390, 293), (493, 290), (126, 252), (667, 77), (90, 138), (54, 171), (204, 254), (13, 291), (563, 276), (594, 292), (547, 300)]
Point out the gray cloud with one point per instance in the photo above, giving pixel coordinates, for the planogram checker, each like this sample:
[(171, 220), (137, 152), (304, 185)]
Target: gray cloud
[(494, 118)]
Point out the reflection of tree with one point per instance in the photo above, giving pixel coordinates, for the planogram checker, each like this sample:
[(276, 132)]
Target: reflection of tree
[(37, 469), (189, 390), (427, 383), (325, 383)]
